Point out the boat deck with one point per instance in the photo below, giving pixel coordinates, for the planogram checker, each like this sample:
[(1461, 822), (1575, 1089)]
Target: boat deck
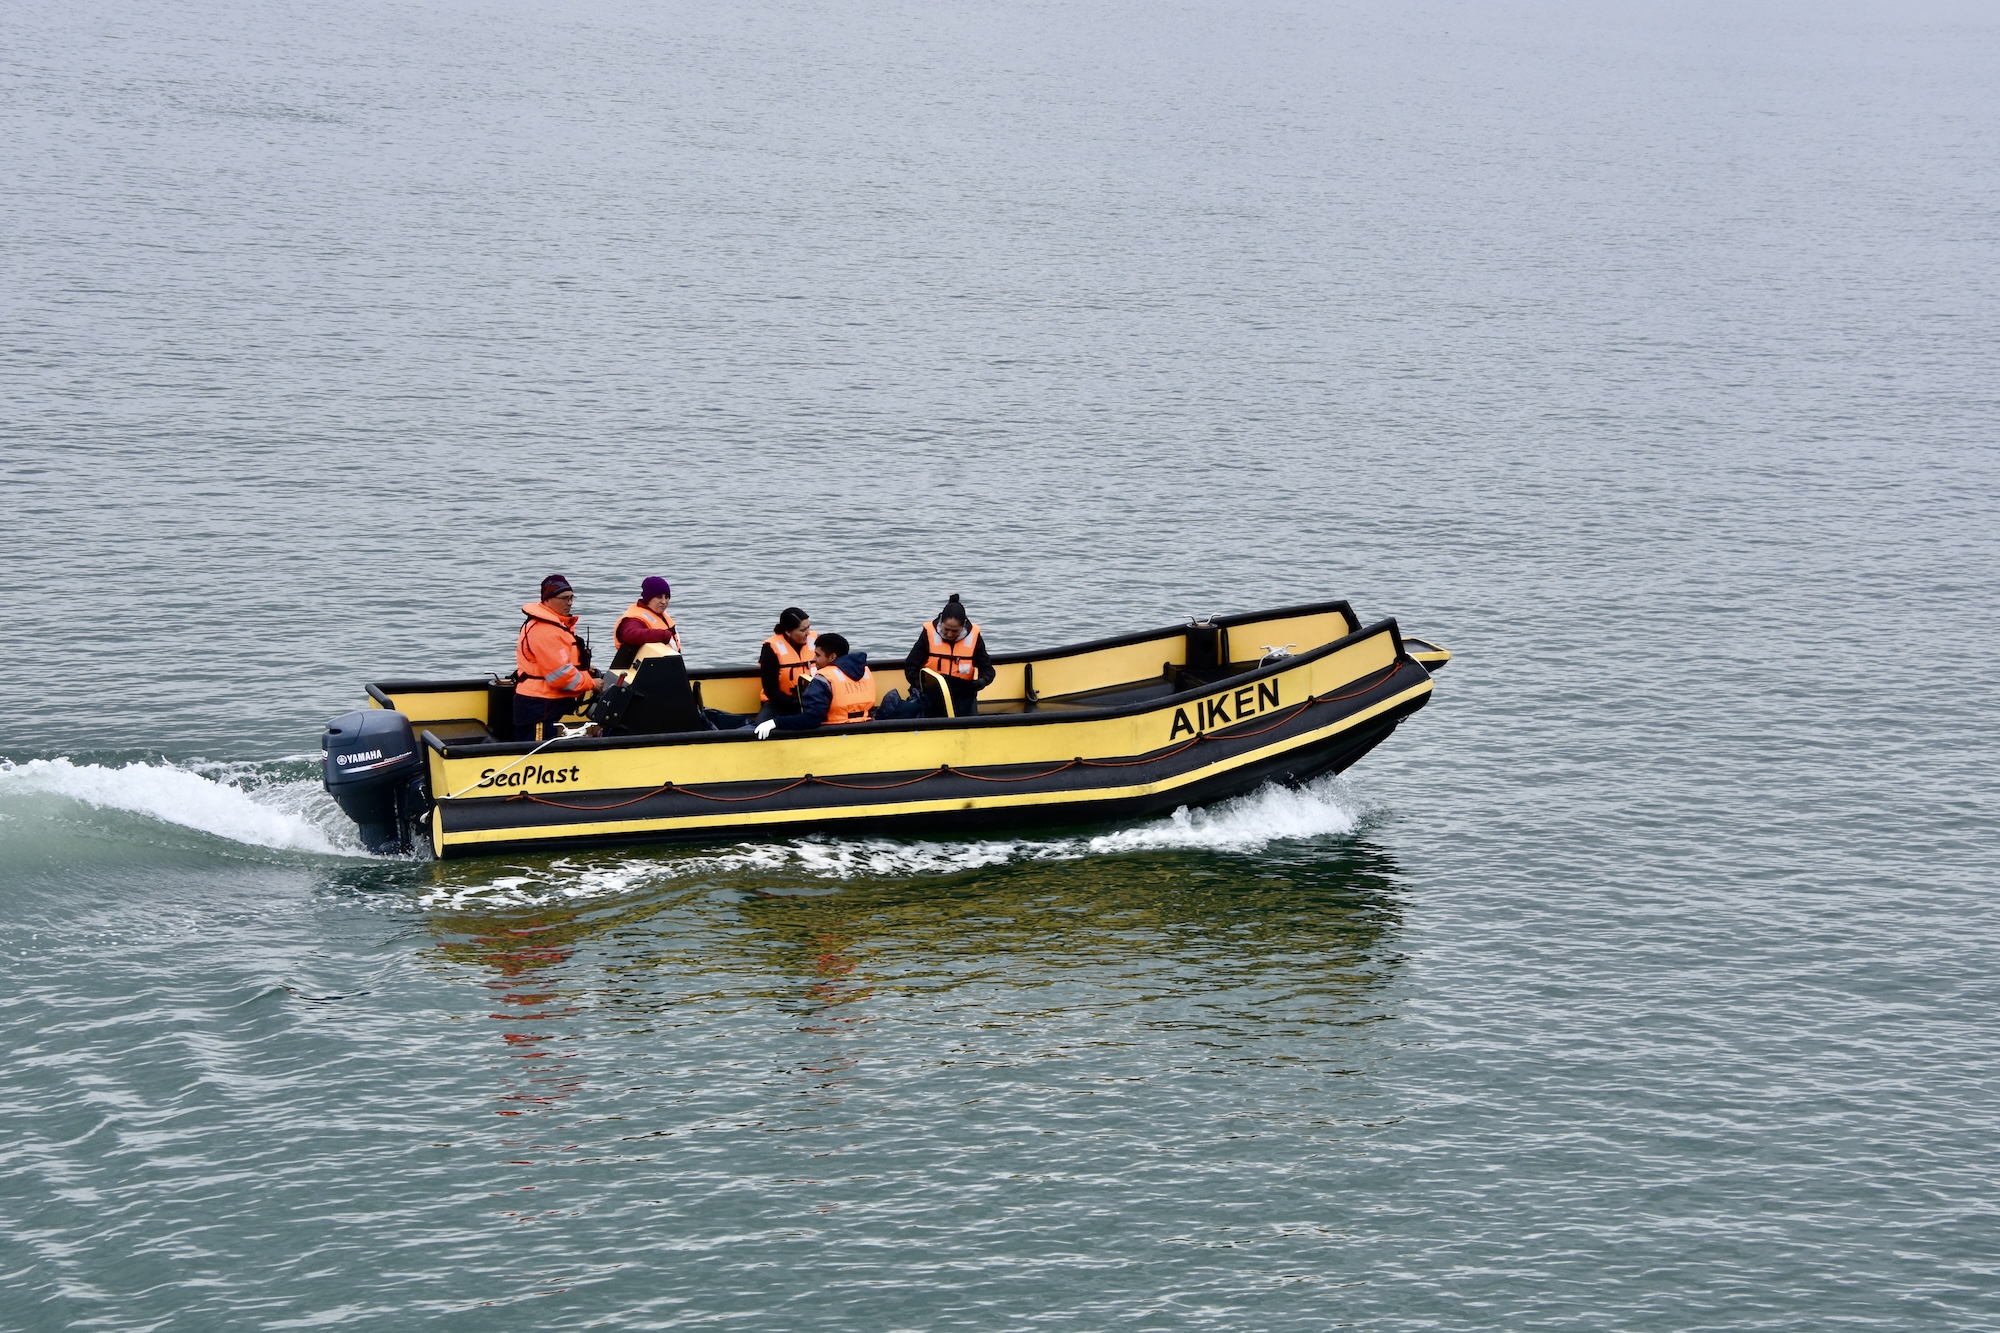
[(1114, 696)]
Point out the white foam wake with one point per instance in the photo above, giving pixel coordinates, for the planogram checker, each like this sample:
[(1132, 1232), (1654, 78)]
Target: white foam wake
[(269, 817), (1243, 825)]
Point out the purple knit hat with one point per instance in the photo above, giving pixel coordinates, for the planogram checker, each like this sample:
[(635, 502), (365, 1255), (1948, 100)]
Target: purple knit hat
[(555, 585), (654, 586)]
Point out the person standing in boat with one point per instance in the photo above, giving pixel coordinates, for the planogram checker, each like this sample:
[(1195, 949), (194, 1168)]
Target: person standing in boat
[(953, 647), (551, 666), (785, 659), (841, 690), (646, 621)]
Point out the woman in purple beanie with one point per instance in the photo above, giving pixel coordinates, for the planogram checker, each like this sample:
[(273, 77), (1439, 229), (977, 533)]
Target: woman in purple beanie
[(646, 620)]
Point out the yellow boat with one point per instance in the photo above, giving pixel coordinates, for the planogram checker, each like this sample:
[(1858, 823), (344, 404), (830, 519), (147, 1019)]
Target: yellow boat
[(1116, 729)]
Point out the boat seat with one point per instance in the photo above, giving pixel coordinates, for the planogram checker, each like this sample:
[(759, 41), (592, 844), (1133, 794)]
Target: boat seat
[(458, 731), (1195, 678), (1111, 696)]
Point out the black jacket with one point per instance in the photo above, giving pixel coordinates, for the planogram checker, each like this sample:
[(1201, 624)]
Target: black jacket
[(982, 662), (782, 702), (819, 695)]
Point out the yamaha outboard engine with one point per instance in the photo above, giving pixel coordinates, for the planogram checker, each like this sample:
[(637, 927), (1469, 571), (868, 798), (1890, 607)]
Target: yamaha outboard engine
[(376, 772)]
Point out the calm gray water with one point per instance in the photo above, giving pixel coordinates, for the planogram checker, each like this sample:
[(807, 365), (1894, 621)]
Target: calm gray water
[(1645, 356)]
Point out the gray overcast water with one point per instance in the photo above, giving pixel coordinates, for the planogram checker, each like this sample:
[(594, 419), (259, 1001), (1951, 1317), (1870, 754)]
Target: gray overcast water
[(1648, 357)]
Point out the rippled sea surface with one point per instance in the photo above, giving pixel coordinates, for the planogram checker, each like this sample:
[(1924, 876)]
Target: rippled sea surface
[(1645, 356)]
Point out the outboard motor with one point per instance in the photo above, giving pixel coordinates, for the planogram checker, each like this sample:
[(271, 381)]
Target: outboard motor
[(375, 771)]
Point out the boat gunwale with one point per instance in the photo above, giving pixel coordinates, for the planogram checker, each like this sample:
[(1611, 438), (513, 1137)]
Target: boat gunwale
[(891, 726)]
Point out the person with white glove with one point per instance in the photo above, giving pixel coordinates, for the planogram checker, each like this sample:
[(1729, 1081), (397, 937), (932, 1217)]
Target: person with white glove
[(841, 690)]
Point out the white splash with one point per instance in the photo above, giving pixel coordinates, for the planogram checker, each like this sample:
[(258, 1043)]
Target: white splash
[(563, 878), (1246, 823), (273, 816)]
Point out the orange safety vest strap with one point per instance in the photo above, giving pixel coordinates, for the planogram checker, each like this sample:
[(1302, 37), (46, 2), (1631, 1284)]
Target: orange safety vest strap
[(648, 617), (794, 664), (853, 700), (953, 661), (546, 662)]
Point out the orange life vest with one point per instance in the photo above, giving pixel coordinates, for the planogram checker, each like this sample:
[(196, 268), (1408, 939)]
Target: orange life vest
[(794, 664), (853, 700), (651, 619), (953, 661), (546, 662)]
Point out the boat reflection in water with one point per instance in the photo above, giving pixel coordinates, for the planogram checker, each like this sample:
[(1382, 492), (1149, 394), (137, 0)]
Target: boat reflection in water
[(772, 926), (796, 987)]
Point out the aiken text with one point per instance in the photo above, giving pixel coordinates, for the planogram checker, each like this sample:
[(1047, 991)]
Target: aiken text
[(1224, 709)]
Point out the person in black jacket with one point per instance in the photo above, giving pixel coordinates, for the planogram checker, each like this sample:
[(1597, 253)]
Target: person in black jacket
[(783, 661), (833, 663), (952, 646)]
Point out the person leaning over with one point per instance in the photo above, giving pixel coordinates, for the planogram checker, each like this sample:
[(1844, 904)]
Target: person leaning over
[(841, 690), (551, 668), (785, 659), (953, 647), (646, 621)]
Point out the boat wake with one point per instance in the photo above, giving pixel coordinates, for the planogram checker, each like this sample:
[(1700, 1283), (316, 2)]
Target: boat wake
[(1246, 824), (255, 805), (283, 807)]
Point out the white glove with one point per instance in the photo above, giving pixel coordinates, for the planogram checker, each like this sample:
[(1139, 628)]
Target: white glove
[(766, 727)]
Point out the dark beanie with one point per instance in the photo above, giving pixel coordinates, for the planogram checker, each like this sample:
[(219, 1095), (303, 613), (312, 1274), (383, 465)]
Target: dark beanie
[(654, 586), (554, 586)]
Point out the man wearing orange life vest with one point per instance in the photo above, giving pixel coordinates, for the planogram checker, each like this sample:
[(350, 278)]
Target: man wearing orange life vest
[(551, 668), (953, 647), (841, 691), (785, 659), (646, 621)]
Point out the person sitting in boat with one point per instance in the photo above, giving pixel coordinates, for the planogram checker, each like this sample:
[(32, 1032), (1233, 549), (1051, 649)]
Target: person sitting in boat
[(953, 647), (551, 666), (646, 621), (785, 659), (840, 690)]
